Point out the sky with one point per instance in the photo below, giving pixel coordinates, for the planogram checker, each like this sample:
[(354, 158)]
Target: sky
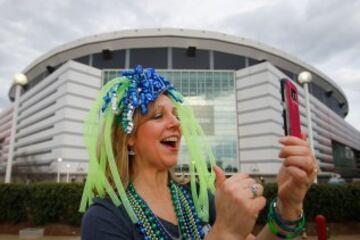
[(324, 34)]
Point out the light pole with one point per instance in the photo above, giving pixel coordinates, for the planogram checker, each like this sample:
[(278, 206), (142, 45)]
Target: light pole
[(19, 81), (305, 78), (67, 172), (59, 160)]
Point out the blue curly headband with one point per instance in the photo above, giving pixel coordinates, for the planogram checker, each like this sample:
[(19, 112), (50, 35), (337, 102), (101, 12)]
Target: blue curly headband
[(145, 87)]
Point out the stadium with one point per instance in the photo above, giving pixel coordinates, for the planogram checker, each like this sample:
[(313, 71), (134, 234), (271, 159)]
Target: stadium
[(232, 84)]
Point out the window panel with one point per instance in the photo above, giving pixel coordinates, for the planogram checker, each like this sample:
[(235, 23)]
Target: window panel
[(214, 108)]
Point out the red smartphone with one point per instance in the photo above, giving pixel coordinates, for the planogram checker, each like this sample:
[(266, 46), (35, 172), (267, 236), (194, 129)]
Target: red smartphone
[(291, 113)]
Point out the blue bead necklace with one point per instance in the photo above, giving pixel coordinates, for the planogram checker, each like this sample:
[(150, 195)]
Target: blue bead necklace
[(150, 226)]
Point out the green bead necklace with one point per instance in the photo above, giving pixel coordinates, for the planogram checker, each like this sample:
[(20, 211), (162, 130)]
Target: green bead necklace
[(149, 225)]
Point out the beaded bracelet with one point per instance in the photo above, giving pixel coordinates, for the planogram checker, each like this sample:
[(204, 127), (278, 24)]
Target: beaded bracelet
[(280, 234), (273, 206), (285, 224), (288, 226)]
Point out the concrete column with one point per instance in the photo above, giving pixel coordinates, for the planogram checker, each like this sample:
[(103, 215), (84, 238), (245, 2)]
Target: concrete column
[(19, 81)]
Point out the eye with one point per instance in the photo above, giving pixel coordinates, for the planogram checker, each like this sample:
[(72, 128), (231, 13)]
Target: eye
[(157, 115), (177, 116)]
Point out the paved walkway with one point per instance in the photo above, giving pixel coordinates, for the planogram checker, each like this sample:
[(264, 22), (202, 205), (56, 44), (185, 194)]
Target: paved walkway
[(15, 237)]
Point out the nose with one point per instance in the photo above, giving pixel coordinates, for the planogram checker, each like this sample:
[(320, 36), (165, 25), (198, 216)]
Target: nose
[(173, 121)]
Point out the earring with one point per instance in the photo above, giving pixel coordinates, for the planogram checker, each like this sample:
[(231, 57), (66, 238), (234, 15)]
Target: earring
[(131, 152)]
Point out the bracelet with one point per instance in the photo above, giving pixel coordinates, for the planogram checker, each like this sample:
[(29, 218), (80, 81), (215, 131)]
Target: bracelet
[(288, 226), (273, 206), (285, 224), (279, 234)]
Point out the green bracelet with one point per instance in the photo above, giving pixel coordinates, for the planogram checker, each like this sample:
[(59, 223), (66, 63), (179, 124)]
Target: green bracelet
[(284, 224), (293, 231), (279, 234), (287, 222)]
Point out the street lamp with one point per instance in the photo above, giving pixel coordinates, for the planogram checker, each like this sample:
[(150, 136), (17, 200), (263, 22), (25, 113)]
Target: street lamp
[(67, 172), (305, 78), (58, 169), (19, 81)]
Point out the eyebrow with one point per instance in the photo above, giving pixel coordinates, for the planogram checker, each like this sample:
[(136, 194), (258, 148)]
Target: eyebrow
[(161, 107)]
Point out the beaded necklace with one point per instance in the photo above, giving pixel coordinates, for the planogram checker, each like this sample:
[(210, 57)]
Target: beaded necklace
[(150, 226)]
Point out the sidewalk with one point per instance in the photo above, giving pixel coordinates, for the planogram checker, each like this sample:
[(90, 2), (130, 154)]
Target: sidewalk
[(16, 237), (338, 237)]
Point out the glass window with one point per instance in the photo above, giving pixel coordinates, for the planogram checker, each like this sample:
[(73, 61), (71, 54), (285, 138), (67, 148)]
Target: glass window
[(181, 60), (185, 84), (345, 160), (253, 61), (201, 83), (149, 57), (116, 60), (108, 75), (209, 86), (228, 61), (287, 73), (204, 91), (83, 60), (330, 101)]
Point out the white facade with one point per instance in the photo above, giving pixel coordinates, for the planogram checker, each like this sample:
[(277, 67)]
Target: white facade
[(260, 122), (50, 120), (5, 132), (52, 109)]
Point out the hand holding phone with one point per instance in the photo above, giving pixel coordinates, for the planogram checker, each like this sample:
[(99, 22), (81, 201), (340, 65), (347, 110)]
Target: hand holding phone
[(291, 113)]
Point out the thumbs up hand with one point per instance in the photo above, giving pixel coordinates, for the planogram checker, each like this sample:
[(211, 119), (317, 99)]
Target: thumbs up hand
[(238, 201)]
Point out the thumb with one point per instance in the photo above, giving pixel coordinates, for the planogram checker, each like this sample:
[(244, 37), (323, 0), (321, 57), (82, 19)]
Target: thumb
[(220, 176), (304, 136)]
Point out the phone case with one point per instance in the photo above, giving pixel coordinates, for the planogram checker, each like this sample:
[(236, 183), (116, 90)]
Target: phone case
[(291, 113)]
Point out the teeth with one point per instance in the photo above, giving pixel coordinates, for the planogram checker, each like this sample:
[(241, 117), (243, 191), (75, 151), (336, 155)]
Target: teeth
[(170, 139)]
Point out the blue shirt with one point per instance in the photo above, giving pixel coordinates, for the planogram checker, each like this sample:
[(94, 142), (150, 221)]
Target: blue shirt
[(103, 220)]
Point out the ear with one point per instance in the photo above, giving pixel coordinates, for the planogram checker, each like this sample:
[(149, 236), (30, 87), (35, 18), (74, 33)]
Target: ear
[(131, 140)]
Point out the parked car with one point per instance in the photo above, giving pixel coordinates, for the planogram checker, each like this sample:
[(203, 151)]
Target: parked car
[(336, 179)]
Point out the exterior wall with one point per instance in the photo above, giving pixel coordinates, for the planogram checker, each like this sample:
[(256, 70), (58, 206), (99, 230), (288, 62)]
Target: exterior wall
[(211, 94), (5, 132), (133, 46), (260, 122), (50, 120)]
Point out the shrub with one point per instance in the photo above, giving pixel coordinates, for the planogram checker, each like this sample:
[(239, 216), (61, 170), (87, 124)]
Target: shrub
[(58, 203), (49, 202), (40, 203), (338, 203), (12, 199)]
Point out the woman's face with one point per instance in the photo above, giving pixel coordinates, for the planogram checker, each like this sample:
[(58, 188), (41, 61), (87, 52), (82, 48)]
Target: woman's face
[(157, 138)]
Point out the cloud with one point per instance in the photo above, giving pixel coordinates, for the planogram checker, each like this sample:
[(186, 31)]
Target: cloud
[(324, 34), (4, 102), (313, 31), (354, 113)]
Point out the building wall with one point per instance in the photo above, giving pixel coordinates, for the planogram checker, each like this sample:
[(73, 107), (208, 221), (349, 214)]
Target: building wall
[(211, 94), (50, 120), (214, 50), (260, 123), (5, 132)]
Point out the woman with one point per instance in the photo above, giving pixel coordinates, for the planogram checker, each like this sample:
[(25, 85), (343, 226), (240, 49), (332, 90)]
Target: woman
[(130, 188)]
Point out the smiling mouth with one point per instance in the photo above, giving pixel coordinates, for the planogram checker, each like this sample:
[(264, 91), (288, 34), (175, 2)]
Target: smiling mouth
[(170, 142)]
